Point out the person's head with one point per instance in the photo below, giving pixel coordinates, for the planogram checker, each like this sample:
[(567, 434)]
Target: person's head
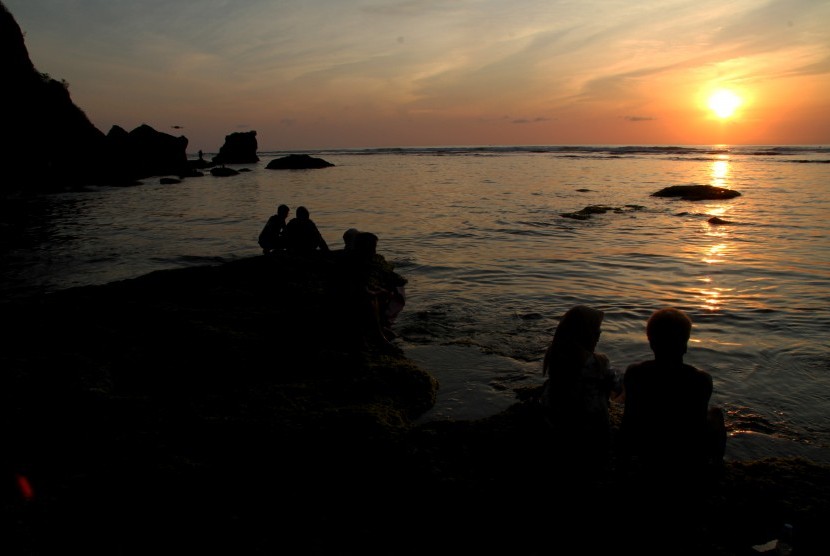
[(302, 213), (348, 238), (581, 325), (576, 336), (668, 332), (283, 210), (365, 244)]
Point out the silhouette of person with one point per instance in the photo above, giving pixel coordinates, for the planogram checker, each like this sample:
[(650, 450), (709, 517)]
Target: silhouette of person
[(575, 397), (369, 288), (272, 236), (672, 441), (201, 157), (348, 238), (666, 417), (302, 236)]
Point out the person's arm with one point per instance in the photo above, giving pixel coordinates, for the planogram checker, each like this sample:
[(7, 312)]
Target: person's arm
[(617, 386), (264, 238), (320, 241), (612, 377), (706, 389)]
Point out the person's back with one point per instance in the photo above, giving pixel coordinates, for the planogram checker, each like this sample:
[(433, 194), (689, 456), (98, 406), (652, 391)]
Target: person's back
[(271, 238), (665, 410), (368, 288), (667, 416), (671, 440), (575, 398), (302, 235)]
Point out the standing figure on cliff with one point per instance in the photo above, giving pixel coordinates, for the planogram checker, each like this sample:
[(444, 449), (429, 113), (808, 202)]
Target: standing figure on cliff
[(302, 236), (272, 236), (575, 398)]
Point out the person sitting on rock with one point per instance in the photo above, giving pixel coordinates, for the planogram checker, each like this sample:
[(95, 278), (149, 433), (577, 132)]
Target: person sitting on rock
[(369, 288), (667, 417), (348, 238), (271, 238), (302, 236), (581, 383)]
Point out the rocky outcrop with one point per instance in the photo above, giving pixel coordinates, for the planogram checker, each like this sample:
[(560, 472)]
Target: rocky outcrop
[(697, 192), (239, 148), (145, 152), (297, 162), (228, 399), (49, 143)]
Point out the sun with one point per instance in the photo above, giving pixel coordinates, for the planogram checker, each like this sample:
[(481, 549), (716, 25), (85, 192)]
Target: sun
[(724, 102)]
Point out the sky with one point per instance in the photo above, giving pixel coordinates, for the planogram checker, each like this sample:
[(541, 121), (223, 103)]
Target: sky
[(320, 74)]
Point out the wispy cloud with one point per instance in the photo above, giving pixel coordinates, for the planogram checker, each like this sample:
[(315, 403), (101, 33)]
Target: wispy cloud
[(433, 60)]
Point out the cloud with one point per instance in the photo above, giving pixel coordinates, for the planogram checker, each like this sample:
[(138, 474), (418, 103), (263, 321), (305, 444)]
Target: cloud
[(530, 121), (639, 118)]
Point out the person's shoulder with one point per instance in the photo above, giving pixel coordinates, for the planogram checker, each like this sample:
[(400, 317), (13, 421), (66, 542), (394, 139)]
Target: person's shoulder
[(640, 367), (699, 374), (637, 372)]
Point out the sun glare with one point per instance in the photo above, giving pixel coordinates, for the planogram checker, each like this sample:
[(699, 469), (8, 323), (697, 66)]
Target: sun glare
[(724, 103)]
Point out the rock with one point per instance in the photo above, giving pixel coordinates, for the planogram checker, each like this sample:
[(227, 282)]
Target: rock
[(718, 221), (226, 399), (298, 162), (222, 171), (145, 152), (169, 181), (239, 148), (697, 192), (590, 210), (37, 107)]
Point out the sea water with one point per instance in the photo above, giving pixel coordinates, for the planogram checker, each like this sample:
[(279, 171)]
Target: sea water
[(486, 238)]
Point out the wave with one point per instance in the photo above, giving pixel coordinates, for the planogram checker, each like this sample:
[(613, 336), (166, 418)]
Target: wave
[(692, 152)]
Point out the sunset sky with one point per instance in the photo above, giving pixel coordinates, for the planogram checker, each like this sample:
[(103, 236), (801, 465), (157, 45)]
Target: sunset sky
[(308, 74)]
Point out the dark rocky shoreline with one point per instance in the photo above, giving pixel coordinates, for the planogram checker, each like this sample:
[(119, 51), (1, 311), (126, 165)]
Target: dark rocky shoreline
[(221, 409)]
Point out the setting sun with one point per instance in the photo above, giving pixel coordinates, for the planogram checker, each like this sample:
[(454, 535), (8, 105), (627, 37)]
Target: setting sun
[(724, 103)]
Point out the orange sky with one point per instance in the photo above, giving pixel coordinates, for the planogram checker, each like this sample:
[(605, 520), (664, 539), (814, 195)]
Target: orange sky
[(309, 74)]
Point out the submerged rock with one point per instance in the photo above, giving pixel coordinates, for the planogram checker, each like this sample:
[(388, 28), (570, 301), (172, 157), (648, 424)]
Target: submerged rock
[(222, 171), (717, 221), (697, 192), (590, 210)]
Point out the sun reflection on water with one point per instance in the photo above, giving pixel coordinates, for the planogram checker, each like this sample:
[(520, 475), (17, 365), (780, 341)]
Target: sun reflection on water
[(720, 171), (715, 253), (712, 297)]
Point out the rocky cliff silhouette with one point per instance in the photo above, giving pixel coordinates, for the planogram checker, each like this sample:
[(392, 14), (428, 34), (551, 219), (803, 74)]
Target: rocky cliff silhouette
[(50, 143)]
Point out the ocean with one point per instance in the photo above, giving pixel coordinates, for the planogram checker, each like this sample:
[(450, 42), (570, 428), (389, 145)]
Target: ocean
[(494, 255)]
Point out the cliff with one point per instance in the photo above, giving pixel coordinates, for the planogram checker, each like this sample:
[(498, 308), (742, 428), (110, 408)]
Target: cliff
[(49, 143)]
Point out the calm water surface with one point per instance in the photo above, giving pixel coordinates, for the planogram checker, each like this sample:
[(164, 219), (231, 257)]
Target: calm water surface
[(492, 263)]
